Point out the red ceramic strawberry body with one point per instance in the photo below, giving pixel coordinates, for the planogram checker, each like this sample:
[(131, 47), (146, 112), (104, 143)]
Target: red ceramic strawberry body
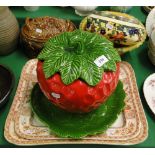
[(78, 97)]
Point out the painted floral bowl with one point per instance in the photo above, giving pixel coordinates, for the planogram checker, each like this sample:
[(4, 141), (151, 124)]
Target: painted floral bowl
[(125, 31)]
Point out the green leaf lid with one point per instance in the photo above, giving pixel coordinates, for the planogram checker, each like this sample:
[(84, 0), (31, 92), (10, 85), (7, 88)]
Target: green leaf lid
[(79, 55)]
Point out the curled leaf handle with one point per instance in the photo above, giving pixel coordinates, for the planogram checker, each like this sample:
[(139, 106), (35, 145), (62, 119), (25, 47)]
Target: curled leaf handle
[(78, 44)]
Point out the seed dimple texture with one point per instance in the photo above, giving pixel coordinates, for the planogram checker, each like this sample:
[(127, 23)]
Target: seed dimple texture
[(78, 96)]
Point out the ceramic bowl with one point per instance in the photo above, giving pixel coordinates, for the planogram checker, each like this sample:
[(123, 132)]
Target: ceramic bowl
[(121, 8), (147, 8), (148, 90), (84, 10), (31, 8), (6, 84), (125, 31), (151, 51), (37, 31), (150, 22)]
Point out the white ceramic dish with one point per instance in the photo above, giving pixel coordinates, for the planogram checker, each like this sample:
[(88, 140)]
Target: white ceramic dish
[(150, 22), (149, 91), (84, 10), (31, 8)]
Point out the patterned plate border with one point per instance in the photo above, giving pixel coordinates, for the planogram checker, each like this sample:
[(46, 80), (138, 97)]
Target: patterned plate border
[(14, 135)]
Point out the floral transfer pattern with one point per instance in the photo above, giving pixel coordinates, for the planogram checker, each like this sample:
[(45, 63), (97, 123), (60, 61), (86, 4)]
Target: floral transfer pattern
[(149, 91), (116, 32), (22, 128), (152, 83)]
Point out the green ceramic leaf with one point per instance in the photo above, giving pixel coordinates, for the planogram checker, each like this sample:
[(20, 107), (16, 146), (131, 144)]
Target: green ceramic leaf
[(52, 65), (72, 54), (65, 124), (72, 70), (110, 66), (50, 51), (90, 72)]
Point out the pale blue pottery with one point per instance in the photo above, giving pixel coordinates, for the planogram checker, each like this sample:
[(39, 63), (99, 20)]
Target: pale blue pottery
[(123, 9)]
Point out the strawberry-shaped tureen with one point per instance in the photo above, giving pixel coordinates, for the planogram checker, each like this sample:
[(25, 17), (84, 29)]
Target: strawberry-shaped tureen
[(78, 71)]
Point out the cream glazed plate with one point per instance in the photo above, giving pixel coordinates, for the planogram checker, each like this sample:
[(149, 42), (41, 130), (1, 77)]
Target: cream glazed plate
[(150, 22), (22, 127), (149, 91)]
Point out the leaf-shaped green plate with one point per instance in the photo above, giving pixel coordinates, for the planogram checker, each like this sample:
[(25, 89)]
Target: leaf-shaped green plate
[(65, 124)]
